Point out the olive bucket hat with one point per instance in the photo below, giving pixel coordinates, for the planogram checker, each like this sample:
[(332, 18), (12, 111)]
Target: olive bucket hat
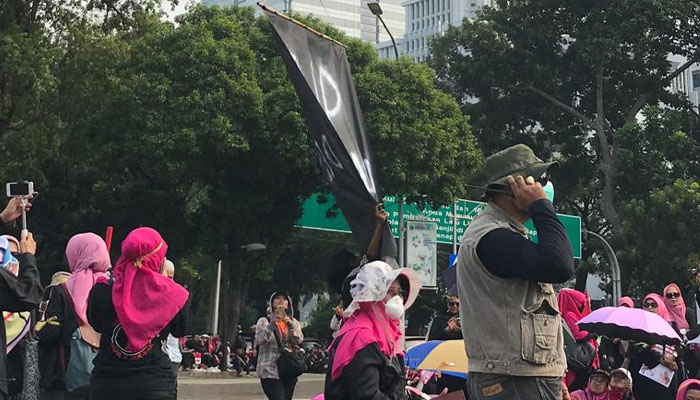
[(514, 161)]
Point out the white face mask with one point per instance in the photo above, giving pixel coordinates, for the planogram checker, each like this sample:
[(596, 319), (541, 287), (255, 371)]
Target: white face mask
[(394, 307)]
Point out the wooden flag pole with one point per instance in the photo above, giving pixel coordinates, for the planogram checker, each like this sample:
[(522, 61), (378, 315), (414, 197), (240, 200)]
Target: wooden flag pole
[(288, 18)]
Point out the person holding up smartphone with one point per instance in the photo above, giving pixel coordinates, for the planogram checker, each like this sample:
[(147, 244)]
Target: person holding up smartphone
[(18, 292), (510, 316), (283, 327)]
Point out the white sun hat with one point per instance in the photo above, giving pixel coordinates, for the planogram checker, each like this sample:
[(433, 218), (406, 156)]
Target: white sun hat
[(373, 281)]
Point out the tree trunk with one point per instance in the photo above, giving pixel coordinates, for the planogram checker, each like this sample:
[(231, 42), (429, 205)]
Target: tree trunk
[(606, 161), (240, 284), (607, 199)]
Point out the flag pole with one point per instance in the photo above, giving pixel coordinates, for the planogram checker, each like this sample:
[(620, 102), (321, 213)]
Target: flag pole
[(288, 18)]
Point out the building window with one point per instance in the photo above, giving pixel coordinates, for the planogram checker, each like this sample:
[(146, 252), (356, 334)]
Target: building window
[(696, 79), (448, 4)]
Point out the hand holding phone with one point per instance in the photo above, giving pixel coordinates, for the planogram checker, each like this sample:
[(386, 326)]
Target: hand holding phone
[(525, 194)]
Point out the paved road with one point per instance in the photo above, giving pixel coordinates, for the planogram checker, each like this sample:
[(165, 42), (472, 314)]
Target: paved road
[(244, 388)]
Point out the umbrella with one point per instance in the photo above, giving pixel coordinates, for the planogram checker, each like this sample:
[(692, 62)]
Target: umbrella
[(630, 324), (446, 356)]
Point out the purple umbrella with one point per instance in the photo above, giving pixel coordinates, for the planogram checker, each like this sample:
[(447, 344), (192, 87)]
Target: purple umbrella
[(630, 324)]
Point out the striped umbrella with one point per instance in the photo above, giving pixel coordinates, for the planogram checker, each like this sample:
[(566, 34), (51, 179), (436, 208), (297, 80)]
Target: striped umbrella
[(447, 356)]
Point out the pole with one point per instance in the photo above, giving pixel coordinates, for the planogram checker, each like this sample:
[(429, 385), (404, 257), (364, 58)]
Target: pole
[(396, 50), (224, 330), (401, 241), (612, 258), (217, 300), (24, 214), (454, 227)]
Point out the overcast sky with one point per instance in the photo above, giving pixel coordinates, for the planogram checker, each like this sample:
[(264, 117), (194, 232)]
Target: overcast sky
[(179, 9)]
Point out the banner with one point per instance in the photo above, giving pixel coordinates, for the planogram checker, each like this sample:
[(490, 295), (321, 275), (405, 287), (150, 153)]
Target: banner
[(319, 70), (421, 250)]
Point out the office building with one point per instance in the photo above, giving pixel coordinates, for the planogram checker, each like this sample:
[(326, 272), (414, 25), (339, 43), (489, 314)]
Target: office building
[(427, 18), (351, 16)]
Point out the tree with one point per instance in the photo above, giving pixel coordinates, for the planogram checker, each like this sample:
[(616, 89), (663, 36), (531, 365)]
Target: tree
[(658, 242), (195, 129), (564, 70), (422, 142)]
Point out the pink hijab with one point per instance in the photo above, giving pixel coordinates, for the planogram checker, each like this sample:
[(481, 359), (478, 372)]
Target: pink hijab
[(661, 310), (685, 386), (145, 301), (361, 329), (89, 261), (572, 305), (625, 302), (677, 313)]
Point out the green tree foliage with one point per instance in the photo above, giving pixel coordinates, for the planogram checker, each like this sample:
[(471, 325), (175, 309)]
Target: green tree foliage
[(659, 179), (553, 72), (422, 142), (194, 128)]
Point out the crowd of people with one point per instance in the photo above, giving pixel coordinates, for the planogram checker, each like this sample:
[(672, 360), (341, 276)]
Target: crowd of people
[(613, 357), (115, 333), (521, 335), (98, 332)]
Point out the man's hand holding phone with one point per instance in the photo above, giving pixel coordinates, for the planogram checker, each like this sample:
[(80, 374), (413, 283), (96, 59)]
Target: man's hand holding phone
[(525, 193)]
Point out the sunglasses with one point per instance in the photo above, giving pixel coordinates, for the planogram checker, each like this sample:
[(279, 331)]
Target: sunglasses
[(673, 295), (650, 305), (453, 303), (543, 180)]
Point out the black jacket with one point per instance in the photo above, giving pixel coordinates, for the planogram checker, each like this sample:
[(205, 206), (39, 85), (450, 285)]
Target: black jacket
[(54, 340), (438, 326), (644, 388), (17, 293), (146, 373), (369, 376)]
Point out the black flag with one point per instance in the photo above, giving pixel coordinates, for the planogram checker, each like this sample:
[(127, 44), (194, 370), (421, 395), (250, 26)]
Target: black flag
[(319, 70)]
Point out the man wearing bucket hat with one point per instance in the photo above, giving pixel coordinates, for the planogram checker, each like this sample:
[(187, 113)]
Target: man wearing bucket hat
[(511, 324)]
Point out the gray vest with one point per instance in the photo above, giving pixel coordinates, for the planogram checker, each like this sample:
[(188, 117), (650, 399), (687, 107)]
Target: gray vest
[(510, 326)]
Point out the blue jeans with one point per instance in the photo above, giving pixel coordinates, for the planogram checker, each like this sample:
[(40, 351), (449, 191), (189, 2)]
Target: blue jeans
[(505, 387)]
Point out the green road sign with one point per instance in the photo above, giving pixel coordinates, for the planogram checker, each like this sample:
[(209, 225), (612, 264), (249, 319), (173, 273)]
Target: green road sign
[(321, 216)]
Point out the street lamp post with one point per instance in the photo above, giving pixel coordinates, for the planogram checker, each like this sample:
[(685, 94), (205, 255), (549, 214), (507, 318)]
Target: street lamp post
[(224, 334), (376, 9), (612, 258)]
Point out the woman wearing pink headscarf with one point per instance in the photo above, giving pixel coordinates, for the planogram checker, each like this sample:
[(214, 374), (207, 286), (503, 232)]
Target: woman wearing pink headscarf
[(135, 313), (645, 355), (573, 306), (682, 319), (625, 301), (89, 261), (365, 359)]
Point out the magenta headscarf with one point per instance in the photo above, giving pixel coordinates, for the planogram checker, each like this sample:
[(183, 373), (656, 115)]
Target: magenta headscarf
[(685, 386), (661, 309), (145, 301), (88, 260), (676, 313), (625, 302), (361, 329), (571, 304)]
